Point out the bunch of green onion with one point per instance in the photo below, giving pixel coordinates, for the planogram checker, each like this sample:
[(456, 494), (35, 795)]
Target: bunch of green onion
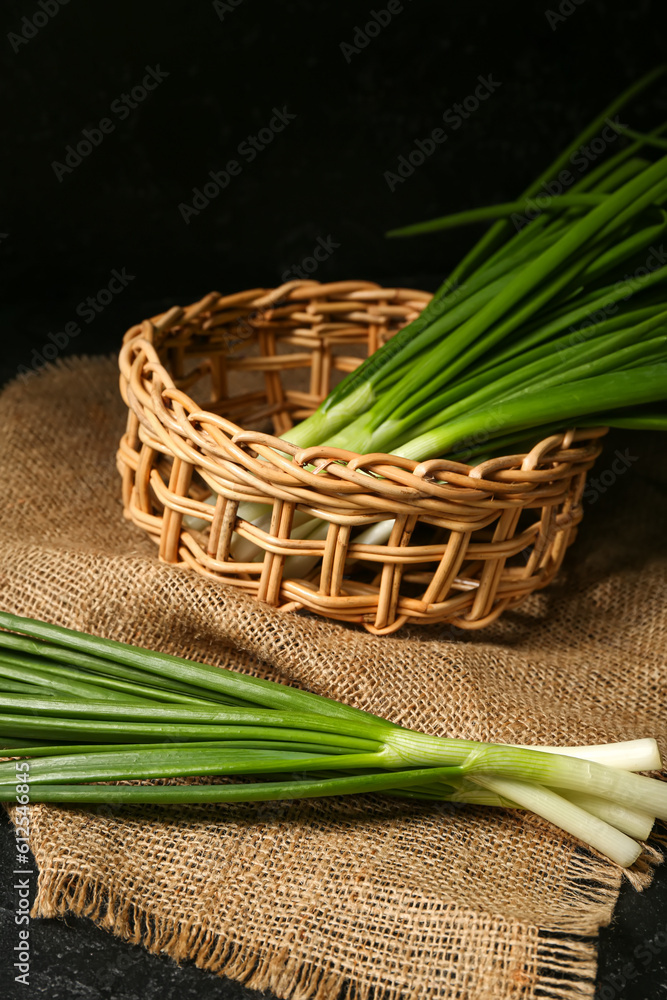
[(560, 323), (86, 712)]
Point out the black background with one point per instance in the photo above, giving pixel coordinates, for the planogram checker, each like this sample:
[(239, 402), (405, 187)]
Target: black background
[(554, 67)]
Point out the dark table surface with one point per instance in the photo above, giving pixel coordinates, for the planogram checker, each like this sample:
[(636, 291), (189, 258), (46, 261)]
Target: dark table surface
[(357, 102), (72, 959)]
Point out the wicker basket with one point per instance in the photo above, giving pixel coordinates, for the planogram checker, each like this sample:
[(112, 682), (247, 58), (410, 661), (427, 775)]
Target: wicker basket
[(466, 543)]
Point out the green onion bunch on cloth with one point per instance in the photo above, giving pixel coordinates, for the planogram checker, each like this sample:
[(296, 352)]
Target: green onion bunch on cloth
[(79, 710), (558, 322)]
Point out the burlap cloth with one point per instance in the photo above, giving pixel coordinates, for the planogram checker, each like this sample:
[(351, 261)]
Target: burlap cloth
[(351, 897)]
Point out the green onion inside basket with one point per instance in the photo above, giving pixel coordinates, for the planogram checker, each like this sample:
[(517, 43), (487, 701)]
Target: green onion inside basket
[(86, 712), (551, 322)]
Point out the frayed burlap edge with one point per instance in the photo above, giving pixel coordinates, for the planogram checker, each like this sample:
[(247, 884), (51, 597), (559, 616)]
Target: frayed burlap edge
[(562, 966)]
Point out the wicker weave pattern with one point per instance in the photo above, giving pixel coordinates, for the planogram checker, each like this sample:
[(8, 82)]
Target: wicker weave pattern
[(467, 542)]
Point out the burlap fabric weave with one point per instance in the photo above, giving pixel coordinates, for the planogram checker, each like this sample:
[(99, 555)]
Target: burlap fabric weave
[(350, 897)]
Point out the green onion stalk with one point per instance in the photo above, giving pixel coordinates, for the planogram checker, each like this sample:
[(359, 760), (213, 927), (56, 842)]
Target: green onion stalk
[(547, 323), (88, 713)]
